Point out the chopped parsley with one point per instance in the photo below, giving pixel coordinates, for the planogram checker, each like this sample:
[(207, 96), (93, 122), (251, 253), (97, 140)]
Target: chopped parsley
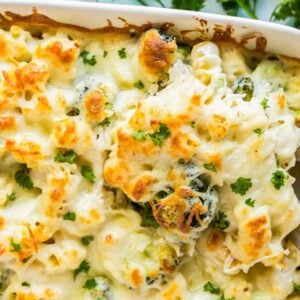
[(250, 202), (139, 85), (193, 124), (245, 86), (160, 135), (87, 58), (23, 179), (84, 267), (296, 288), (139, 135), (210, 288), (108, 105), (105, 122), (241, 186), (258, 131), (90, 284), (69, 216), (86, 240), (16, 247), (11, 197), (264, 103), (148, 219), (210, 166), (221, 221), (278, 179), (105, 53), (67, 156), (25, 283), (73, 112), (122, 53), (88, 173)]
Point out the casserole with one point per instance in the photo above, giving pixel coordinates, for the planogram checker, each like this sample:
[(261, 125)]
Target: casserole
[(139, 165)]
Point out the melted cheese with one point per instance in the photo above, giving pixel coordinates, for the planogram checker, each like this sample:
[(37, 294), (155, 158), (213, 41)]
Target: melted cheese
[(130, 155)]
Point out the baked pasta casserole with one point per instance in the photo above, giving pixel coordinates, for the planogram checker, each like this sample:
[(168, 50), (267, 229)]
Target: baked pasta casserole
[(134, 166)]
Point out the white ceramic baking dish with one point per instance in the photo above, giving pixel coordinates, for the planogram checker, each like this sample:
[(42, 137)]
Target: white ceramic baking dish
[(278, 38)]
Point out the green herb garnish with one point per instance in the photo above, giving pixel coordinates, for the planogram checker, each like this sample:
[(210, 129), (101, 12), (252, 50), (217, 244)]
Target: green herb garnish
[(84, 267), (241, 186), (264, 103), (16, 246), (250, 202), (67, 156), (87, 58), (258, 131), (90, 284), (86, 240), (139, 85), (122, 53), (210, 166), (69, 216), (11, 197), (160, 135), (278, 179), (210, 288), (139, 135), (88, 173), (25, 283), (23, 179)]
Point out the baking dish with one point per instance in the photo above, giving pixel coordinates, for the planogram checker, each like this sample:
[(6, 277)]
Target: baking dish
[(271, 37)]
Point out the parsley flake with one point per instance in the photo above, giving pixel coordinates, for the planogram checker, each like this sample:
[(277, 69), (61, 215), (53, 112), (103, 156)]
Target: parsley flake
[(67, 156), (210, 166), (105, 122), (258, 131), (159, 136), (105, 53), (241, 186), (139, 135), (88, 173), (221, 221), (278, 179), (296, 288), (23, 179), (210, 288), (84, 267), (86, 240), (264, 103), (88, 60), (122, 53), (250, 202), (90, 284), (139, 85), (69, 216), (25, 283), (16, 247), (11, 197)]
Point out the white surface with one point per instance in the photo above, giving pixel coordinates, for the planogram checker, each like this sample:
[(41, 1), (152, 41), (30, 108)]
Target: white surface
[(280, 39)]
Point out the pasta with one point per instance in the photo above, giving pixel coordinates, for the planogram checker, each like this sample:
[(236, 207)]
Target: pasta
[(135, 168)]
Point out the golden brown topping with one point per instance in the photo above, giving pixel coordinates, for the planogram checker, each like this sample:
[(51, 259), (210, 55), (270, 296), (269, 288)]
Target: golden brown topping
[(156, 54), (94, 105)]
